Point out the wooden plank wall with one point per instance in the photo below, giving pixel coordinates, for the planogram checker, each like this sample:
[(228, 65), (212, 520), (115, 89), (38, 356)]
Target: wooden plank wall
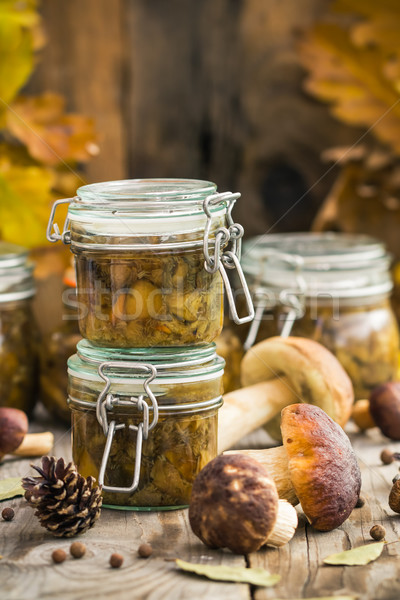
[(208, 89)]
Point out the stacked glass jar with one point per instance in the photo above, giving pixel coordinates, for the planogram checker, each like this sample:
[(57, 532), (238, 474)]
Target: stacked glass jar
[(146, 383)]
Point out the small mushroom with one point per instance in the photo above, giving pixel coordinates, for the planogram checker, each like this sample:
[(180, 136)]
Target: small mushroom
[(235, 504), (384, 406), (14, 438), (361, 415), (316, 465), (278, 372)]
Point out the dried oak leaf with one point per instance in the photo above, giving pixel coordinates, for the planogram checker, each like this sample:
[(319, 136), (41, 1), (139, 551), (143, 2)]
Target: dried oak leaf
[(51, 135), (355, 67)]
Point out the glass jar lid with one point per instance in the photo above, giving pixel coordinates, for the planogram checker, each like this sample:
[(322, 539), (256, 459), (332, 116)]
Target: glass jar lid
[(16, 273), (139, 206), (173, 365), (346, 265)]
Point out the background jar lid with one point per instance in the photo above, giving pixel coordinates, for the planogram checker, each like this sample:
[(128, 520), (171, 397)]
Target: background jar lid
[(16, 273), (344, 265)]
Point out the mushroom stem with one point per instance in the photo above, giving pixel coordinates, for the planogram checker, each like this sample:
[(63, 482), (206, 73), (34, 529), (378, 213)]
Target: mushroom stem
[(248, 408), (285, 526), (276, 462), (35, 444)]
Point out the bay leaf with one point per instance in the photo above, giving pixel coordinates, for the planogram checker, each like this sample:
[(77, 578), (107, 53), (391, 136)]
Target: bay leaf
[(356, 556), (11, 487), (256, 576), (327, 598)]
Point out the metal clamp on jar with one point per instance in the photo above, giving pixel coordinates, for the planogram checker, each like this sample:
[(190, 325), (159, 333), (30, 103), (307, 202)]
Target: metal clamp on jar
[(333, 288), (151, 259), (144, 422)]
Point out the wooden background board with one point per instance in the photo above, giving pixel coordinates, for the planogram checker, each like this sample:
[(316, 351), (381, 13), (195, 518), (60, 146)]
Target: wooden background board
[(197, 89), (27, 572)]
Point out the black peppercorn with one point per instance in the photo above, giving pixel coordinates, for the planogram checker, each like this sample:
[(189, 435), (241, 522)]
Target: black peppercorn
[(377, 532), (8, 513), (145, 550), (58, 556), (77, 549), (116, 561)]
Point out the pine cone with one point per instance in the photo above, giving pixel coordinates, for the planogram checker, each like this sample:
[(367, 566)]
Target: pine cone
[(66, 503)]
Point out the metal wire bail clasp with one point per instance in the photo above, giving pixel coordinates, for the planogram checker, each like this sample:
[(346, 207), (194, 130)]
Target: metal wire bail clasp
[(105, 405), (223, 257), (291, 298), (55, 236)]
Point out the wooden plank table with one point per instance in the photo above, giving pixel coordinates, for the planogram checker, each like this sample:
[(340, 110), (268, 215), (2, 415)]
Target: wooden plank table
[(27, 571)]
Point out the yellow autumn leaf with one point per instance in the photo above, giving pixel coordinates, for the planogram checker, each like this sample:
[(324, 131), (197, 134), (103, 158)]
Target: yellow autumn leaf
[(354, 65), (51, 136), (25, 199), (19, 23)]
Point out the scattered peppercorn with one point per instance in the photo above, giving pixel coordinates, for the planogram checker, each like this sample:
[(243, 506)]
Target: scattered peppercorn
[(59, 556), (387, 456), (77, 549), (8, 513), (360, 502), (116, 560), (145, 550), (377, 532)]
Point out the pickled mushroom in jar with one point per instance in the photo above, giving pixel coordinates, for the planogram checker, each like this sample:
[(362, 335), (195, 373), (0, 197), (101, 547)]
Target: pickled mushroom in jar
[(19, 343), (137, 299), (172, 456)]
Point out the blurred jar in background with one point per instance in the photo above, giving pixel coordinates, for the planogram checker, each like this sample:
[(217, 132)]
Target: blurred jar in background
[(18, 331), (230, 348), (333, 288), (57, 347)]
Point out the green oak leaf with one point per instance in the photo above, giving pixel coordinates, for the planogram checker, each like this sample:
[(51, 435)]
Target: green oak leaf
[(11, 487), (356, 556), (235, 574)]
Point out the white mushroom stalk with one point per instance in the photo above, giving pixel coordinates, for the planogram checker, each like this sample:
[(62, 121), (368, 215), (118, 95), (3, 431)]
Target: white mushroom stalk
[(279, 372)]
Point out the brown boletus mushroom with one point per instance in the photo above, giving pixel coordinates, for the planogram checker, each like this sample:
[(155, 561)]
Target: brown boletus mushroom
[(14, 438), (234, 504), (384, 406), (316, 465), (13, 429), (278, 372)]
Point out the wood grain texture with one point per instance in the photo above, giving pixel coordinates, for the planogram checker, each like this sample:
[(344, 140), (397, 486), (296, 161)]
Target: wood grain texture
[(27, 572), (197, 89), (84, 61)]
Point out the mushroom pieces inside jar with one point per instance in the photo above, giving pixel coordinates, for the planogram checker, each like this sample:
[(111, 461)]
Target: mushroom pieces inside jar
[(316, 465), (148, 299)]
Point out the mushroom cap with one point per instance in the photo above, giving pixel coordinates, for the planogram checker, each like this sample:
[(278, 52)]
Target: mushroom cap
[(384, 406), (322, 465), (315, 375), (13, 428), (234, 504)]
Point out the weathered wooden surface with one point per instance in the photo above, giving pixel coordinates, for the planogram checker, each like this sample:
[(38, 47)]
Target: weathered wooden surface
[(27, 572)]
